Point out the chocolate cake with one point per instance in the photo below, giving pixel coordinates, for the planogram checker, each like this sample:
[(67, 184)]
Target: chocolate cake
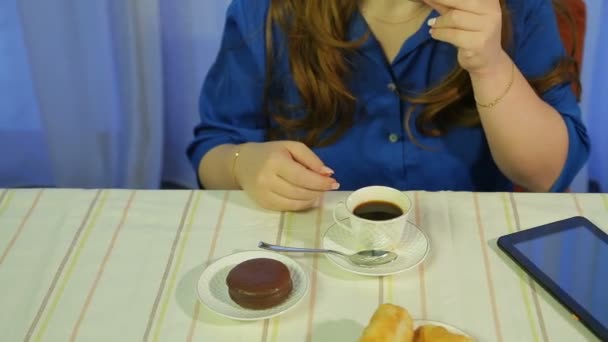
[(259, 283)]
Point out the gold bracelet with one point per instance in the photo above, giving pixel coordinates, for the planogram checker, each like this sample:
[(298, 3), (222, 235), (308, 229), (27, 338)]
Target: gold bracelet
[(237, 153), (497, 101)]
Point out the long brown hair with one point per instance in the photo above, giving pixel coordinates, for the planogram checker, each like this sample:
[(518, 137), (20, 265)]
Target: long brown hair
[(316, 33)]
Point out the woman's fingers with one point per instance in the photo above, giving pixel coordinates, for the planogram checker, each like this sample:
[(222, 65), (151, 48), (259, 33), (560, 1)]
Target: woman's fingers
[(288, 190), (465, 40), (473, 6), (300, 176), (457, 19), (305, 156), (437, 7), (274, 201)]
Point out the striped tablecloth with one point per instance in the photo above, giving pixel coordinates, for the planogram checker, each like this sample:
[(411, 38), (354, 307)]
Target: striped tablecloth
[(118, 265)]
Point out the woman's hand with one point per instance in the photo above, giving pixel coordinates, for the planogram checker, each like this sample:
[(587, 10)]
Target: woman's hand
[(283, 175), (474, 27)]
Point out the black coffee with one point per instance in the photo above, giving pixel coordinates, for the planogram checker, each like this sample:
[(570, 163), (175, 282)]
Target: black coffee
[(378, 211)]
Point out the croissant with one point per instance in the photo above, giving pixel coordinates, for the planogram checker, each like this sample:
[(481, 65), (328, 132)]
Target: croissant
[(431, 333), (390, 323)]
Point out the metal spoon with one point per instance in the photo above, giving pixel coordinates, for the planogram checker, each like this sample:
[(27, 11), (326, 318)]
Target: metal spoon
[(368, 258)]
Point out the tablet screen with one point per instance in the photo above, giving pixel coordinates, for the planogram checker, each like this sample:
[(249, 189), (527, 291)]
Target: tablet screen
[(577, 261)]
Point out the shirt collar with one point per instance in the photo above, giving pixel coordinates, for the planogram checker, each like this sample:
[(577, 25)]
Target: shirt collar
[(358, 28)]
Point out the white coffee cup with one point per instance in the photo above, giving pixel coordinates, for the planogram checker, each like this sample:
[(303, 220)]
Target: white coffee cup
[(372, 234)]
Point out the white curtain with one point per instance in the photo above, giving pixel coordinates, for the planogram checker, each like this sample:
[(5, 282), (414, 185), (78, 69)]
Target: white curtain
[(104, 93), (191, 37)]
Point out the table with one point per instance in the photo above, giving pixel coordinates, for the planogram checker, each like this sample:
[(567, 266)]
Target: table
[(122, 265)]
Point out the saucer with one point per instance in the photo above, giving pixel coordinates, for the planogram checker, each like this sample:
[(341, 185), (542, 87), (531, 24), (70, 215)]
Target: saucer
[(213, 291), (412, 250), (420, 322)]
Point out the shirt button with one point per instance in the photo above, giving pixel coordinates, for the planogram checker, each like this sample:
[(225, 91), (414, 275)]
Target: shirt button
[(393, 138), (392, 87)]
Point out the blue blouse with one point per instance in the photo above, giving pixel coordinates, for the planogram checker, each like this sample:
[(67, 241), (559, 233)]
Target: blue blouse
[(377, 151)]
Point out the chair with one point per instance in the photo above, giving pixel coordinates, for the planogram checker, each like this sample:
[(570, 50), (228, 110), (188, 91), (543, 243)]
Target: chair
[(571, 20)]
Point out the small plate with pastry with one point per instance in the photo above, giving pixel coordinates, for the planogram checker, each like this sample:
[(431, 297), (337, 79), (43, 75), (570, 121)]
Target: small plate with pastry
[(394, 323), (252, 285)]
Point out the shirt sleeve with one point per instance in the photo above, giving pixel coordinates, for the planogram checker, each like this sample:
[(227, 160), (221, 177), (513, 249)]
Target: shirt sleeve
[(231, 99), (538, 50)]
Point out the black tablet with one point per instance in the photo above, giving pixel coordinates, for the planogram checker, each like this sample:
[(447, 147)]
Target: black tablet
[(569, 259)]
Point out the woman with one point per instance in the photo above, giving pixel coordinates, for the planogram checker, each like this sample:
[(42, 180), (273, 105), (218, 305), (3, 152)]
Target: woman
[(311, 96)]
